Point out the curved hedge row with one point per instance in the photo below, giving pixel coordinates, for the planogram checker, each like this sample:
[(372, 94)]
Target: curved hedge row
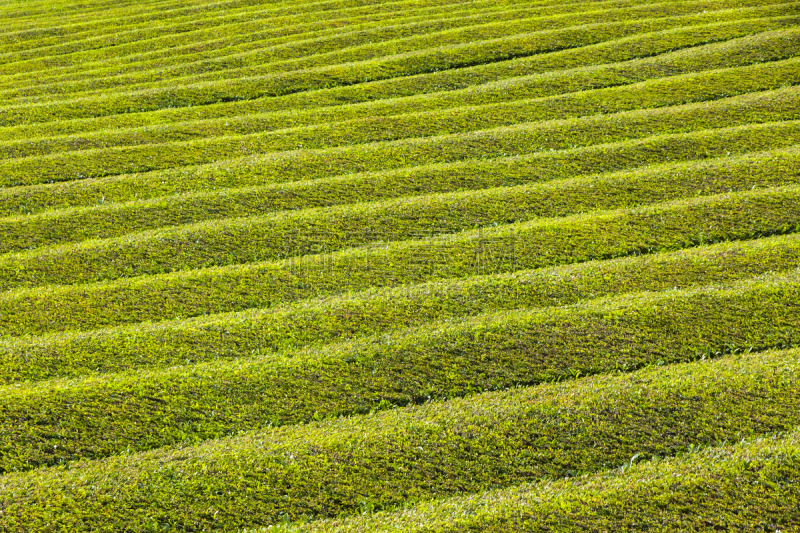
[(109, 200), (534, 244), (309, 163), (298, 233), (60, 420), (242, 33), (696, 492), (112, 220), (389, 458), (337, 318), (138, 35), (762, 47), (633, 47), (405, 64), (285, 262), (340, 48)]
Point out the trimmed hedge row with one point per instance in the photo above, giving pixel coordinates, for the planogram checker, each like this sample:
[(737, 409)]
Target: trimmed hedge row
[(386, 459), (241, 34), (717, 489), (140, 54), (404, 64), (340, 47), (25, 31), (358, 313), (116, 219), (672, 91), (764, 47), (469, 35), (298, 233), (14, 13), (259, 331), (136, 36), (309, 163), (635, 46), (534, 244), (200, 200), (56, 421), (57, 21)]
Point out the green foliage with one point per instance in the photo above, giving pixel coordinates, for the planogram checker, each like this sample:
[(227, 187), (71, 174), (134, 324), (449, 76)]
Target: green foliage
[(760, 48), (487, 441), (349, 47), (535, 244), (261, 331), (108, 198), (539, 112), (413, 265), (487, 352), (294, 31), (698, 491), (282, 235), (178, 26), (257, 331), (738, 24), (505, 46)]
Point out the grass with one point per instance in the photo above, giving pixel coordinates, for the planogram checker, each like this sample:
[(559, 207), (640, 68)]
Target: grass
[(399, 265)]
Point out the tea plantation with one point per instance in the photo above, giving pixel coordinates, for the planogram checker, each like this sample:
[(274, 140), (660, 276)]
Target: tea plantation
[(399, 265)]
